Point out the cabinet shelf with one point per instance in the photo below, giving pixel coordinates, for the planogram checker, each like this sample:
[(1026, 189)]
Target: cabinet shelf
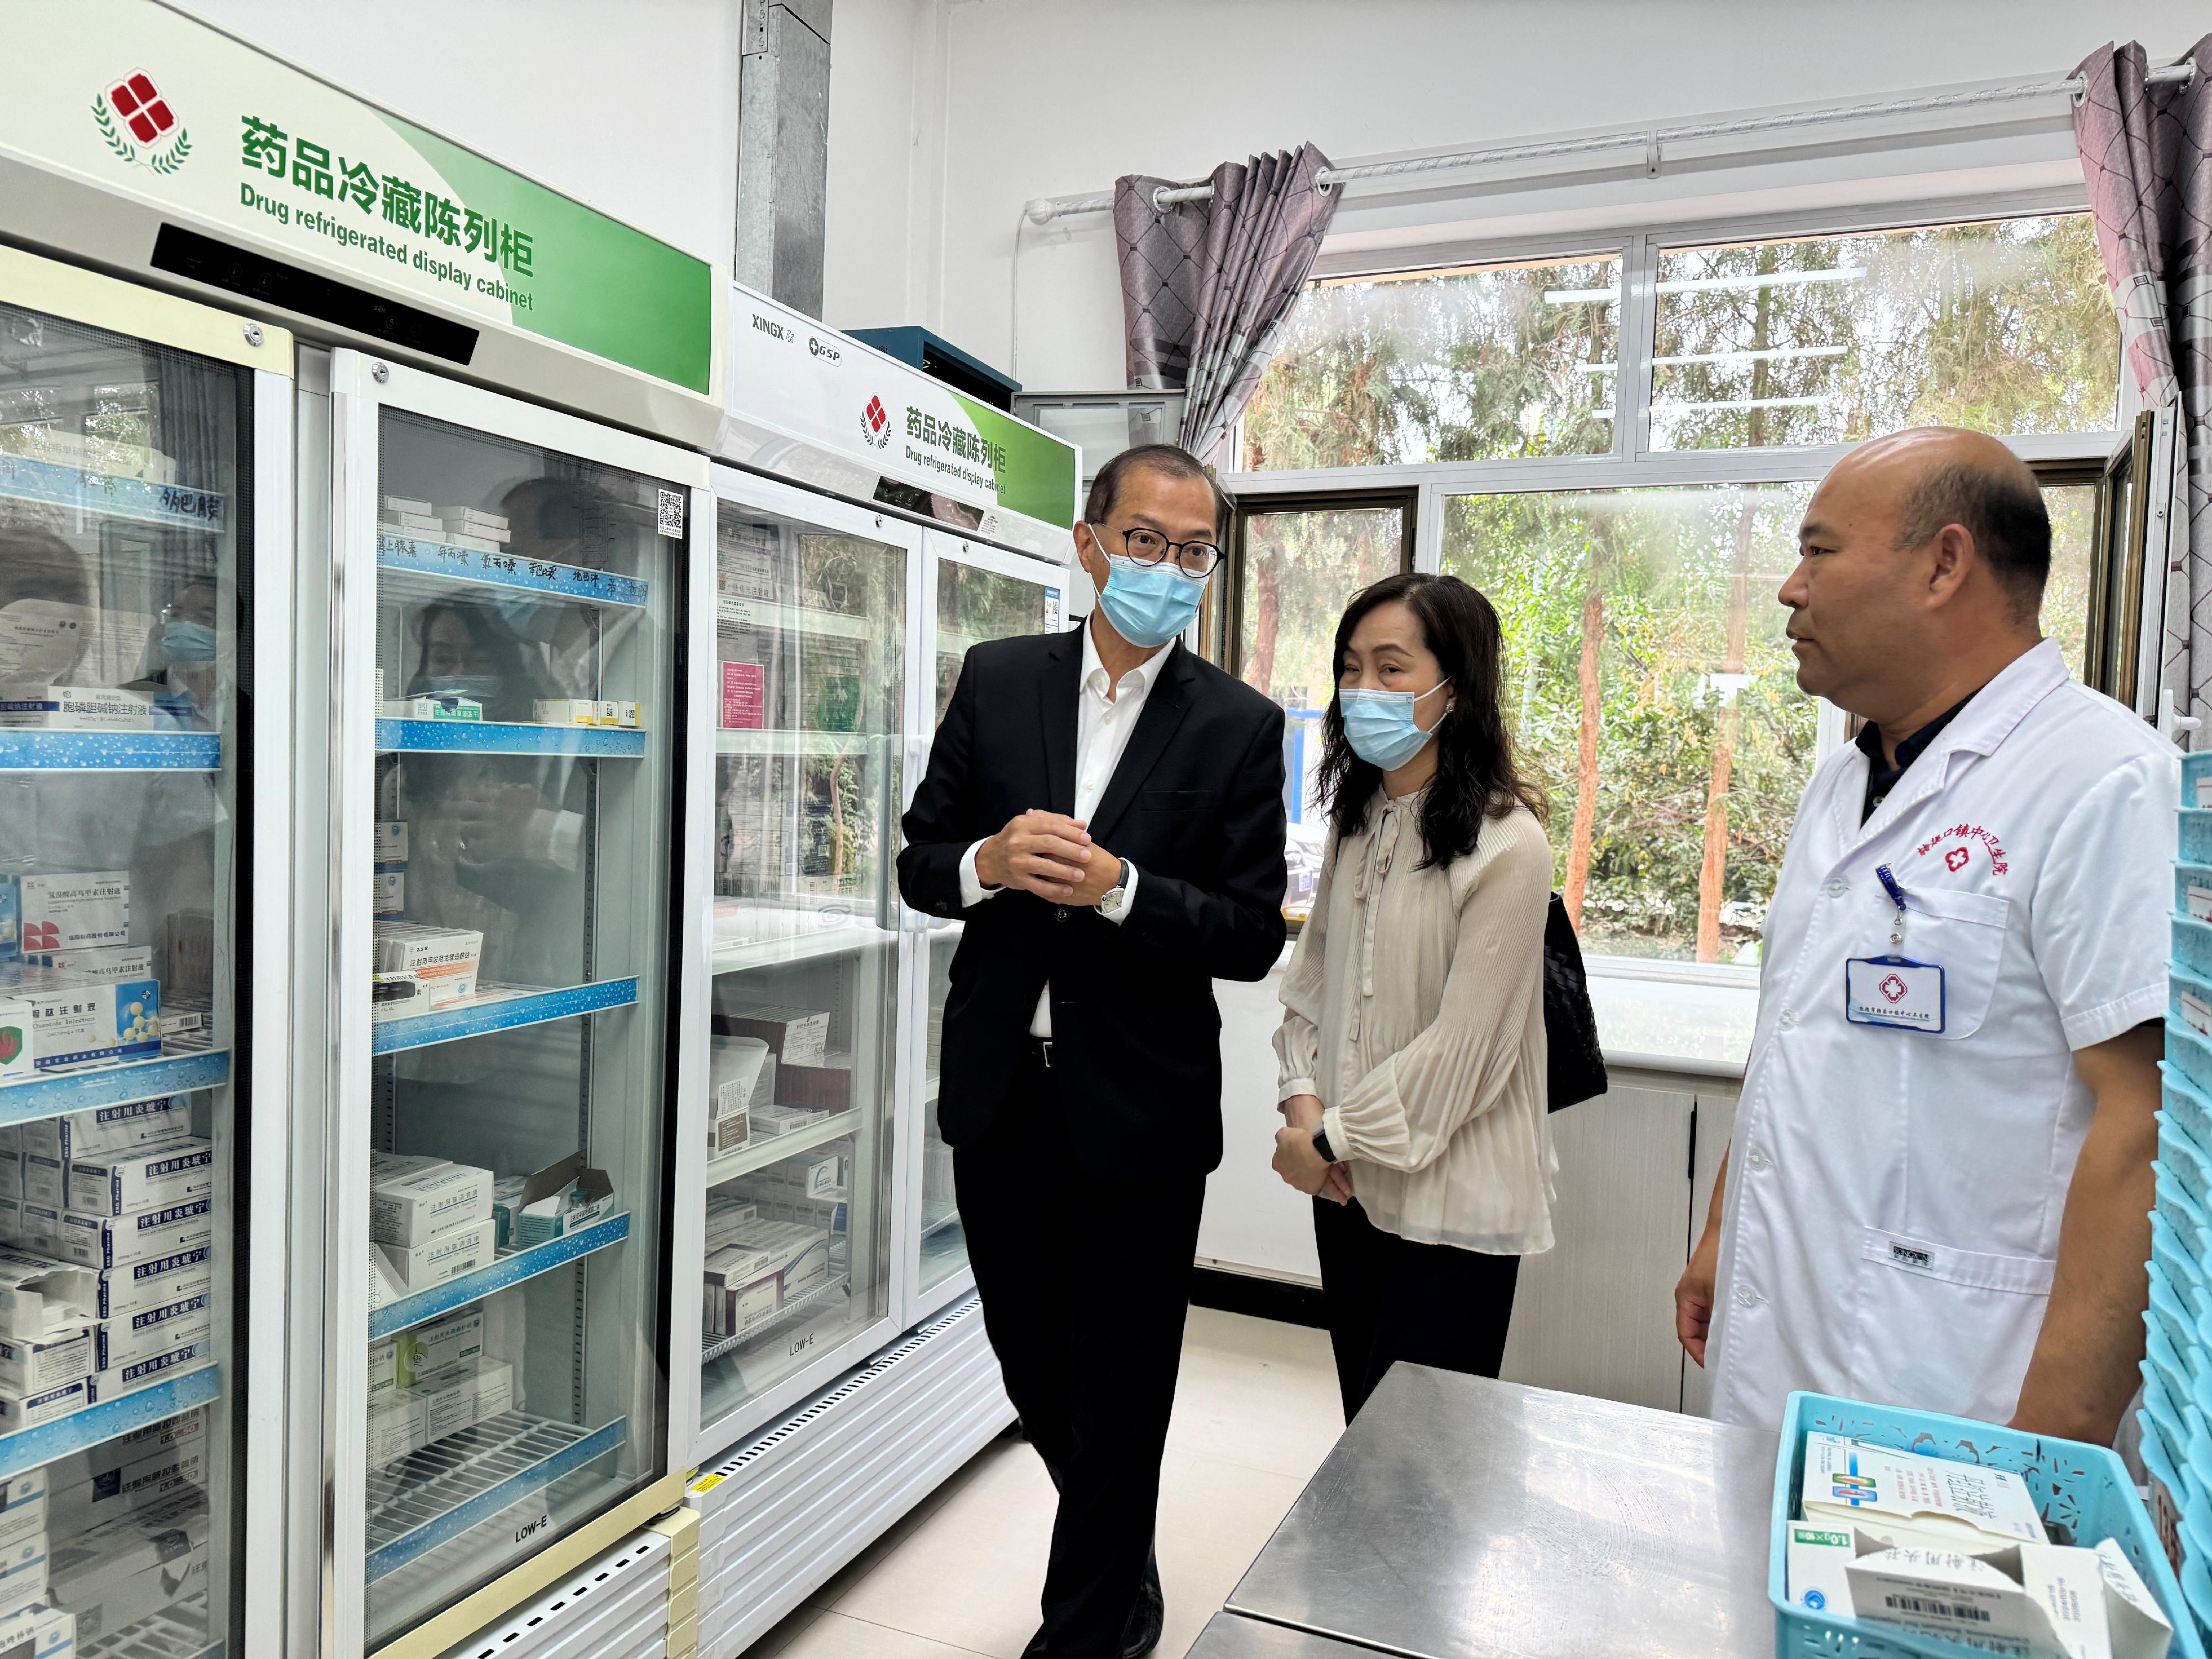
[(773, 1149), (736, 610), (50, 483), (179, 1632), (441, 567), (715, 1347), (89, 1086), (26, 1448), (505, 738), (800, 742), (736, 957), (510, 1269), (23, 750), (469, 1477), (501, 1008)]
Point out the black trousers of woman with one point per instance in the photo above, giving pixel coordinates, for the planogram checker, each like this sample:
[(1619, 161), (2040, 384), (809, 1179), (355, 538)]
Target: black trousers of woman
[(1388, 1299)]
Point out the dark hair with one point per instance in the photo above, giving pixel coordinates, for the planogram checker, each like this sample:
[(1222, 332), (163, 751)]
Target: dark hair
[(37, 564), (2000, 506), (1153, 457), (489, 633), (1476, 778)]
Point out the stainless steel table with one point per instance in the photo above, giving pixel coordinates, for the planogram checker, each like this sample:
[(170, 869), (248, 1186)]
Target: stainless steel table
[(1460, 1518), (1227, 1636)]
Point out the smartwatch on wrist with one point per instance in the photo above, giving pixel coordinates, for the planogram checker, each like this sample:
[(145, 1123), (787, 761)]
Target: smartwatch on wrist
[(1321, 1146)]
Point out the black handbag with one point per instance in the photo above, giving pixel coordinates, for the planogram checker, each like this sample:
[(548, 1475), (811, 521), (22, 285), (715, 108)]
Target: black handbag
[(1575, 1066)]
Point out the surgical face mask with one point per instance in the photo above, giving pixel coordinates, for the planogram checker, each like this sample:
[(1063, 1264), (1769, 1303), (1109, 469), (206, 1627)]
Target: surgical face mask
[(40, 640), (190, 643), (1379, 724), (1149, 604)]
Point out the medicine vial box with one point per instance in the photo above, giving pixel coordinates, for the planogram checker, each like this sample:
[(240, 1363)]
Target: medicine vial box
[(410, 1208), (123, 1183), (19, 1058), (85, 708), (464, 1394), (37, 1633), (388, 892), (98, 962), (156, 1478), (403, 947), (130, 1337), (41, 1299), (796, 1036), (88, 1022), (449, 707), (154, 1283), (19, 1412), (123, 1240), (439, 1346), (566, 711), (109, 1384), (102, 1129), (76, 912), (390, 842), (23, 1576), (30, 1367), (445, 1257), (395, 1424)]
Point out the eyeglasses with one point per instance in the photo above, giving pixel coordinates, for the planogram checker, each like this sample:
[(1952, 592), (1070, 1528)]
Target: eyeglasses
[(1193, 559)]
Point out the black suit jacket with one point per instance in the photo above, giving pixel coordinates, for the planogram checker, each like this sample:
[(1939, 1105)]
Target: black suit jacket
[(1196, 804)]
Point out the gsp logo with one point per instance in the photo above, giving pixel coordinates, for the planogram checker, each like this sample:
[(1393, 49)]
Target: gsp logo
[(138, 125)]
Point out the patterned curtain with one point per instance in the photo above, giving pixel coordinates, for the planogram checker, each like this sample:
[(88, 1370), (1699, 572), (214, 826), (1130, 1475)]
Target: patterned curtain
[(1206, 285), (2147, 154)]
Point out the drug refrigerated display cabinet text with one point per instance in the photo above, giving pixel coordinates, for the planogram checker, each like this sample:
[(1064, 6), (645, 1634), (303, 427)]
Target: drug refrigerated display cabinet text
[(144, 609), (507, 829)]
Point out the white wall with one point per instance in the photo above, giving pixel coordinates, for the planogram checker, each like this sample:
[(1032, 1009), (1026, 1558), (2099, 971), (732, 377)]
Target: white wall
[(994, 102), (632, 109)]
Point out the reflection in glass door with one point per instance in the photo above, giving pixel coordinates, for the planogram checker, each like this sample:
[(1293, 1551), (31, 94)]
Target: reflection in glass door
[(979, 593), (128, 604), (510, 1080), (811, 673)]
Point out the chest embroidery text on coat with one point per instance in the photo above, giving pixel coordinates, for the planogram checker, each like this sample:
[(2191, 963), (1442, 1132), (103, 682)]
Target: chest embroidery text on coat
[(1958, 841)]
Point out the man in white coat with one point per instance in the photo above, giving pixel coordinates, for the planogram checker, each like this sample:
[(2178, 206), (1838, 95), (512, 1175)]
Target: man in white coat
[(1938, 1189)]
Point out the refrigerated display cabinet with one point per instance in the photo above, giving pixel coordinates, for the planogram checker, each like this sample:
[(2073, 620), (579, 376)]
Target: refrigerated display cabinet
[(510, 585), (145, 564), (976, 593), (791, 1170)]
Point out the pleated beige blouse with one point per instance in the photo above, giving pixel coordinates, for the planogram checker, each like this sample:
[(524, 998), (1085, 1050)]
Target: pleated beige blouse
[(1413, 1009)]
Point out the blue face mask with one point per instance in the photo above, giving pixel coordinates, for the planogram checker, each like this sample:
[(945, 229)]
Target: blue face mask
[(1149, 604), (1379, 724), (187, 642)]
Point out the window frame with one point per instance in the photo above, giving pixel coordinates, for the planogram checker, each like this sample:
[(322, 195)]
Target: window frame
[(1633, 464), (1223, 630)]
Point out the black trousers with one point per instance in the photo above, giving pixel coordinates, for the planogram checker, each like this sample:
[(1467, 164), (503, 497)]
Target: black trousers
[(1387, 1298), (1085, 1285)]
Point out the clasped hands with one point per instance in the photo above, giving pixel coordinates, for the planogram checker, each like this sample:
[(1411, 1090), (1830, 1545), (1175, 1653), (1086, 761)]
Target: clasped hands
[(1051, 856), (1298, 1161)]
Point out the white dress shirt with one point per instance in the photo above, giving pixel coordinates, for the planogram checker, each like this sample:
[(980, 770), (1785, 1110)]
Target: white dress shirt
[(1105, 715)]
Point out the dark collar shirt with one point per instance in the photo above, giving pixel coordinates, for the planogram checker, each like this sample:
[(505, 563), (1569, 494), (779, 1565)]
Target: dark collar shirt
[(1881, 777)]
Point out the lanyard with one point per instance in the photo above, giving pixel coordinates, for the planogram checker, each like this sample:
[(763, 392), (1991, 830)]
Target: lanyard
[(1897, 897)]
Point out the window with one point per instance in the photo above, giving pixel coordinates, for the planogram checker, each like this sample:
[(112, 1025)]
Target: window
[(1442, 366), (1632, 529)]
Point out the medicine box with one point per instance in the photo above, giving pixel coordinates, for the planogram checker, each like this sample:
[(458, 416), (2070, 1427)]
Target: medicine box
[(190, 956), (438, 1259), (123, 1183), (41, 1299), (22, 1576), (404, 947), (131, 1566), (725, 1217), (729, 1132), (159, 1476), (383, 1367), (19, 1412), (86, 708), (390, 842), (387, 893), (19, 1056), (89, 1022), (448, 706), (818, 1174), (796, 1036), (23, 1508), (37, 1633), (35, 1178), (407, 506), (75, 912), (30, 1367), (782, 1120), (1908, 1500), (826, 1088), (184, 1429), (566, 711), (438, 1347), (193, 1352), (578, 1198), (395, 1427), (740, 1284), (411, 1208), (464, 1394), (101, 1129), (153, 1283), (11, 1172), (399, 996), (140, 1335), (627, 713), (97, 961), (122, 1241), (11, 921)]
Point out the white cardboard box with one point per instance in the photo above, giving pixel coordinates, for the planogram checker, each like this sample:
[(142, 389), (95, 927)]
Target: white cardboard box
[(411, 1208), (383, 1366), (153, 1283), (440, 1259), (37, 1633), (32, 1367), (395, 1427), (1909, 1500), (95, 1022), (388, 893), (75, 911), (157, 1478), (2045, 1601), (102, 1129), (463, 1395), (41, 1299), (439, 1346), (120, 1380), (123, 1183), (94, 1241), (99, 962), (28, 1411), (135, 1336), (390, 842), (22, 1508)]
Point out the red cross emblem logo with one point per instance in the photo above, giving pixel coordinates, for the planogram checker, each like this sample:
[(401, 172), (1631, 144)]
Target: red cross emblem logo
[(139, 124), (1956, 858), (1893, 987)]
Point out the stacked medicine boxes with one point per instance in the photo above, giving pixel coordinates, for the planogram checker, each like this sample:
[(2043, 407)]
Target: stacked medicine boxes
[(2176, 1442)]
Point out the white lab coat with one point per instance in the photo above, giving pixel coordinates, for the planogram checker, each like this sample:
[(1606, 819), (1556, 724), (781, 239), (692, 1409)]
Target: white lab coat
[(1894, 1197)]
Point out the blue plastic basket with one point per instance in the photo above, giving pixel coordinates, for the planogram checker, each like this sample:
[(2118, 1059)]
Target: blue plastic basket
[(2185, 1101), (2186, 876), (2195, 831), (2182, 1214), (2082, 1488), (2195, 769), (2181, 1153), (2180, 977)]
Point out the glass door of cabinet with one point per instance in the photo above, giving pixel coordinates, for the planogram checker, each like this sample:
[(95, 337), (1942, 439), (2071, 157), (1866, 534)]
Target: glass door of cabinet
[(977, 593), (144, 617), (813, 650), (509, 840)]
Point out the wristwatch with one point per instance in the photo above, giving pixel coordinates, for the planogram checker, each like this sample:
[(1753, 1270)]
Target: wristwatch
[(1111, 900), (1321, 1144)]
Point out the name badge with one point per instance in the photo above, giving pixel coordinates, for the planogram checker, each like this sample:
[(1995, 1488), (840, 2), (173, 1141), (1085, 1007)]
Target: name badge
[(1895, 992)]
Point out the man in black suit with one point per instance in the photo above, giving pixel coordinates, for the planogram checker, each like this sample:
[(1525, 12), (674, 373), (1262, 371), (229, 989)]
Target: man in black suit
[(1081, 1076)]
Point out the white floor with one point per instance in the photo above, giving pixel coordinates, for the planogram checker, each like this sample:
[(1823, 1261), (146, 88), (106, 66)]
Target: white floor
[(1255, 1413)]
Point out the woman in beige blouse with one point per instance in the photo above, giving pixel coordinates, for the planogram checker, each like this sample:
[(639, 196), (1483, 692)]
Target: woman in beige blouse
[(1412, 1046)]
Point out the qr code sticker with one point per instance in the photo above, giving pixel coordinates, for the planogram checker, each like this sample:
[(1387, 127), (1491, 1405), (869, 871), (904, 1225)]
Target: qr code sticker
[(671, 514)]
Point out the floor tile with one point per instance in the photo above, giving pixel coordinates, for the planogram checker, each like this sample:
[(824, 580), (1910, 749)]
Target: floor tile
[(900, 1530), (1215, 1517), (781, 1637), (1255, 1392), (835, 1636)]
